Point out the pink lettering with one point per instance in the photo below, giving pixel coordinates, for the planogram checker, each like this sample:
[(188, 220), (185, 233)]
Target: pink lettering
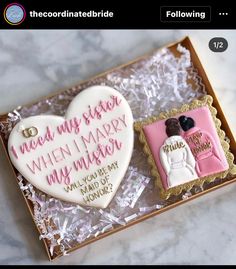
[(99, 134), (115, 124), (79, 164), (95, 157), (110, 105), (103, 106), (97, 112), (59, 154), (116, 100), (109, 150), (46, 162), (57, 157), (87, 116), (88, 139), (13, 150), (107, 129), (40, 141), (101, 151), (66, 174), (49, 135), (69, 125), (117, 143), (123, 120), (66, 151), (61, 176), (76, 145), (35, 166)]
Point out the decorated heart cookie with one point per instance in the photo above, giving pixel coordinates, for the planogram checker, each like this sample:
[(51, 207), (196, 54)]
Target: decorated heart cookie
[(186, 147), (82, 157)]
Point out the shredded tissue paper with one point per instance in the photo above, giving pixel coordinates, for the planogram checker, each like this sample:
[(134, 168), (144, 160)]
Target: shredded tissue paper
[(157, 83)]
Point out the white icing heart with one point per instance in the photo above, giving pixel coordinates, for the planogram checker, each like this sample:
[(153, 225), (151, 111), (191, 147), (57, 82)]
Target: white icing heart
[(81, 158)]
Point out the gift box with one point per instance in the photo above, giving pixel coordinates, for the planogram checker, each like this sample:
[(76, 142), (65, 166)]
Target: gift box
[(161, 80)]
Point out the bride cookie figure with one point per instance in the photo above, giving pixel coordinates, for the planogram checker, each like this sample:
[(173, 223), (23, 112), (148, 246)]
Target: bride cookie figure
[(176, 157)]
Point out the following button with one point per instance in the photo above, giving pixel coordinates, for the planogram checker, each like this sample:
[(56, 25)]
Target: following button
[(185, 14)]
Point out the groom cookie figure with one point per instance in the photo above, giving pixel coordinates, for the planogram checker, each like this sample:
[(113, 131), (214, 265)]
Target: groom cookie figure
[(202, 146), (176, 157)]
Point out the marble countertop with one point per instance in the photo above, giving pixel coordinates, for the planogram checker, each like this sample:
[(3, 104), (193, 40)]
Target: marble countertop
[(36, 63)]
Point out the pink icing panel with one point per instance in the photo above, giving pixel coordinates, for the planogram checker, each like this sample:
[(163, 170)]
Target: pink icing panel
[(156, 135)]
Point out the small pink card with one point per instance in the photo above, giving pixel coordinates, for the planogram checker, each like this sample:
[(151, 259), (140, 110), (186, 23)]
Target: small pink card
[(184, 146)]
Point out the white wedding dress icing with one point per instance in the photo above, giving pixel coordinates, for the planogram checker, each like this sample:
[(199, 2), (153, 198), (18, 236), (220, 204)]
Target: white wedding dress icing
[(81, 158), (177, 161)]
